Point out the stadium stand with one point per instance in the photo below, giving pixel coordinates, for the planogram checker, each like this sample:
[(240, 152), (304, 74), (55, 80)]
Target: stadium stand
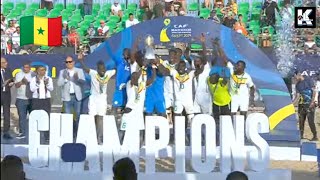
[(73, 13)]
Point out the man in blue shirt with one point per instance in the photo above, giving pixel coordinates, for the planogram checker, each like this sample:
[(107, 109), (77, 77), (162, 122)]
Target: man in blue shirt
[(306, 95), (155, 102), (122, 77)]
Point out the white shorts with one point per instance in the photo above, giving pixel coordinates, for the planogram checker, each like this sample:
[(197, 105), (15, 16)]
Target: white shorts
[(97, 105), (180, 105), (132, 119), (202, 107), (239, 101), (169, 100)]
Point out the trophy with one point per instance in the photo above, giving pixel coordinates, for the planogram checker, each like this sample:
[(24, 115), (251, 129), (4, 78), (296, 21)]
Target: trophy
[(150, 52)]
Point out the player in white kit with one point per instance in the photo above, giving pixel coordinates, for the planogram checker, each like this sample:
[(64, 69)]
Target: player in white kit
[(241, 88), (136, 90), (183, 89), (98, 99), (202, 98)]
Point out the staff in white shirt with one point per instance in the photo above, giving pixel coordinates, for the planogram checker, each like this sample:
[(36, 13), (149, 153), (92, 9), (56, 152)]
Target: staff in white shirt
[(24, 95), (41, 86), (131, 21)]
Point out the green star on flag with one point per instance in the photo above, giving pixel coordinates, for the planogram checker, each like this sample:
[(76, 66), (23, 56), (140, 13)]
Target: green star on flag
[(40, 31)]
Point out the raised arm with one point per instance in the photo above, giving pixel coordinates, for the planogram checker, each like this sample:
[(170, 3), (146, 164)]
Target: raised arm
[(85, 67), (204, 48), (162, 69), (135, 49)]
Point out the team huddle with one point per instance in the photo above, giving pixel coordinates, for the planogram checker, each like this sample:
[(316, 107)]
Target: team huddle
[(179, 85)]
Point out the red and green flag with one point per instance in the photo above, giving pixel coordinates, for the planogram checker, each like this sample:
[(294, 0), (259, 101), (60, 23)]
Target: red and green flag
[(41, 31)]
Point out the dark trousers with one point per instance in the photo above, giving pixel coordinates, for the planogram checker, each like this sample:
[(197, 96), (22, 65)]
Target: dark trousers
[(304, 112), (46, 4), (87, 8), (5, 103), (42, 104), (23, 107), (217, 112)]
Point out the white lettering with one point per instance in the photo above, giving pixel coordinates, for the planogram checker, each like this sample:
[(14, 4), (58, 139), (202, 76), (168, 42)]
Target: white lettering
[(38, 121), (259, 158)]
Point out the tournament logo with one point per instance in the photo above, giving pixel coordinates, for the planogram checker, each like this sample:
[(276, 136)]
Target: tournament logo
[(163, 34)]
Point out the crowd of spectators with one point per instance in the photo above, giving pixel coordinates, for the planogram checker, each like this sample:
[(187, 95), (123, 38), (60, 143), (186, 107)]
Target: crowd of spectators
[(220, 13)]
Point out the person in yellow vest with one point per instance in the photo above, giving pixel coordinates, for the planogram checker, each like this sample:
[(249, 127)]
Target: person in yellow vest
[(220, 96)]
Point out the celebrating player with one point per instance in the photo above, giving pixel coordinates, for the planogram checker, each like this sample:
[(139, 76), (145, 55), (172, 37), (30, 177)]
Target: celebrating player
[(122, 77), (155, 101), (136, 90), (202, 100), (98, 98)]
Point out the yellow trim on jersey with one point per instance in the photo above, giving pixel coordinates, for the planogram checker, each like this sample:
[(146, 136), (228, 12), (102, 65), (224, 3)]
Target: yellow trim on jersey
[(240, 80), (182, 78), (280, 115), (103, 80)]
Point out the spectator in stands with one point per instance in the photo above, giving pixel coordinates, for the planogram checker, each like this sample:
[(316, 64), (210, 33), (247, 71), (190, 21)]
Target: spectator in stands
[(16, 40), (158, 9), (233, 6), (104, 27), (147, 13), (11, 29), (207, 4), (73, 37), (24, 95), (265, 38), (269, 8), (214, 17), (144, 4), (218, 4), (41, 86), (14, 21), (65, 29), (91, 32), (87, 7), (181, 3), (237, 175), (3, 22), (181, 11), (48, 4), (229, 21), (240, 20), (251, 36), (116, 8), (171, 12), (310, 45), (131, 21), (124, 169), (7, 82), (4, 41), (167, 4), (240, 29), (12, 168)]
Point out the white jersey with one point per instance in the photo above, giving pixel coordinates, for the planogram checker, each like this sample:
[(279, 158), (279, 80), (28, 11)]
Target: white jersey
[(168, 85), (240, 84), (182, 85), (136, 94), (202, 101), (136, 97), (99, 84), (134, 67)]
